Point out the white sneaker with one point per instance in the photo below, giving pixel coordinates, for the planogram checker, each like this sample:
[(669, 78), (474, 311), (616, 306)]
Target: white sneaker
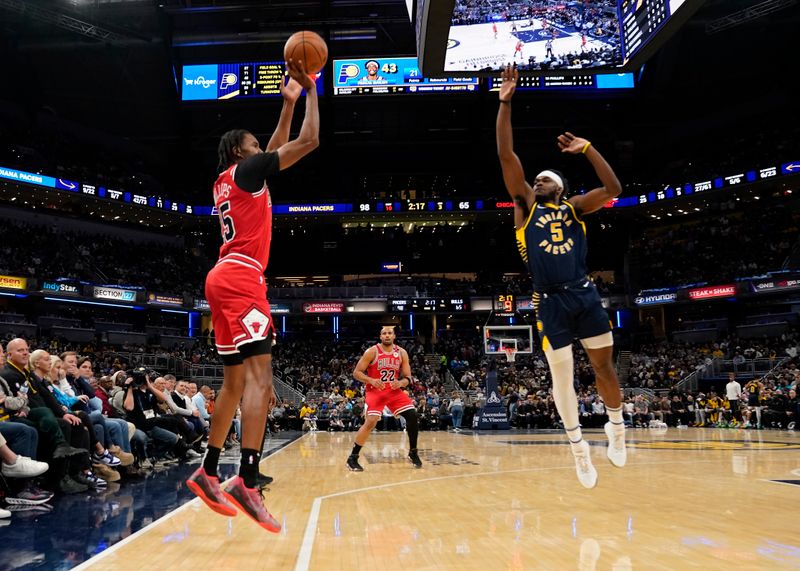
[(24, 468), (587, 475), (617, 453), (4, 513), (193, 453)]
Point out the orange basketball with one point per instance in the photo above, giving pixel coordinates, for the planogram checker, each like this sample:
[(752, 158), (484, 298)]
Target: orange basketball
[(309, 47)]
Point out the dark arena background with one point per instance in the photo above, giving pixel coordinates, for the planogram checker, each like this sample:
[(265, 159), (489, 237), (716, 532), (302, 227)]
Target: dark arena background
[(111, 112)]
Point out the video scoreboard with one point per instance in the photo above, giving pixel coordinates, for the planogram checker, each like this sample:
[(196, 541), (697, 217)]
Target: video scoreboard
[(391, 75), (641, 20), (235, 81)]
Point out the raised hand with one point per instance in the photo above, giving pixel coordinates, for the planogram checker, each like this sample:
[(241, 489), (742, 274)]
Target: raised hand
[(297, 71), (569, 143), (510, 77), (290, 89)]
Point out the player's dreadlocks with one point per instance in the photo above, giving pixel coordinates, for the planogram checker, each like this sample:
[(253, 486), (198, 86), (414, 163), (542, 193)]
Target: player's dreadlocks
[(227, 143)]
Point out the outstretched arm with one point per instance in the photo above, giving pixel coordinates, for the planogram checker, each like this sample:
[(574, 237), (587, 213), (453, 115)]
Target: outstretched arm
[(595, 199), (513, 174), (291, 91), (308, 139)]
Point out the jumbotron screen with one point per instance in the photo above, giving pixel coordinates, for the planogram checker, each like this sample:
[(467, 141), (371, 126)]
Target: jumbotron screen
[(371, 76), (546, 36), (235, 81)]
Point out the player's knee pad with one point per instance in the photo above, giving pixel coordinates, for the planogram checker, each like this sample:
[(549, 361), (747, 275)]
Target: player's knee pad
[(558, 356), (411, 419)]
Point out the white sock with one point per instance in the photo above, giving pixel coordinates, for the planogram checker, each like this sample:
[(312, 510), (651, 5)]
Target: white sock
[(615, 417), (561, 369)]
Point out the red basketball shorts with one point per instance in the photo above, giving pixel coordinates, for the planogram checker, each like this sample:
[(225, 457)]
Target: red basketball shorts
[(240, 312), (395, 399)]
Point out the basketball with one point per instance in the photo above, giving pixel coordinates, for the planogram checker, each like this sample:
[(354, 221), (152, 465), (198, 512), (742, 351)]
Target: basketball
[(308, 47)]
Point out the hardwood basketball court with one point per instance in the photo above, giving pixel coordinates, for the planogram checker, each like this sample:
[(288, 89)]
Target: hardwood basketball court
[(688, 499)]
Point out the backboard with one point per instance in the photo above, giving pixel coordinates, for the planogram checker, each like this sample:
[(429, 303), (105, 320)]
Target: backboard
[(498, 338)]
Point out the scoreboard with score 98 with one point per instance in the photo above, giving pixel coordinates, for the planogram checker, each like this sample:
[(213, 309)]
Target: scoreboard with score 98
[(462, 205), (443, 304), (391, 75)]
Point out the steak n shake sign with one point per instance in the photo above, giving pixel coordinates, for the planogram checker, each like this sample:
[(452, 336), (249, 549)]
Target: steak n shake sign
[(713, 291)]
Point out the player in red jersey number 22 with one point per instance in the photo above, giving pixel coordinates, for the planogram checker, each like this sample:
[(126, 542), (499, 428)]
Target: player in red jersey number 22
[(385, 370)]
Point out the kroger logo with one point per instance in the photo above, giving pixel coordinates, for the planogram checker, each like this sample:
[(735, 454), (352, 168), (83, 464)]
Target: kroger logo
[(200, 81), (196, 86)]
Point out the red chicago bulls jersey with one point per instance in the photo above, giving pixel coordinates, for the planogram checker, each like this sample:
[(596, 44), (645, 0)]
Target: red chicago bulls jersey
[(386, 366), (246, 222)]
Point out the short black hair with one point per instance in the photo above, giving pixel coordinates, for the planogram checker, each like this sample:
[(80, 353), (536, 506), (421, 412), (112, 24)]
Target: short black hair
[(227, 143)]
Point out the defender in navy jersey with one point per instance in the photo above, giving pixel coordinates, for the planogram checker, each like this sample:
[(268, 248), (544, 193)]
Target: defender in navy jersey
[(551, 238), (237, 293)]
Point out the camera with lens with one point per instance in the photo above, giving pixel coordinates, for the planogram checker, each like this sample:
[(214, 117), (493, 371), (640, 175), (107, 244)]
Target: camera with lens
[(139, 377)]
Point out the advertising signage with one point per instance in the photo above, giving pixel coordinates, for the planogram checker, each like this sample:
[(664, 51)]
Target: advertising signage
[(13, 282), (114, 294), (323, 307), (712, 292), (163, 299), (655, 298), (61, 288), (767, 286)]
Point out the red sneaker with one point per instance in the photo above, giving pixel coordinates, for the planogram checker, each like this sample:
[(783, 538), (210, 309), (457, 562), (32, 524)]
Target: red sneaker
[(249, 501), (207, 489)]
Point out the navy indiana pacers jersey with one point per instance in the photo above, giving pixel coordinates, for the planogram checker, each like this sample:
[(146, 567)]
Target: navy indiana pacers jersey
[(552, 243)]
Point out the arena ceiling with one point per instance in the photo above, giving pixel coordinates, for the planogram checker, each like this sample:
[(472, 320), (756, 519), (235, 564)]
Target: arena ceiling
[(109, 65)]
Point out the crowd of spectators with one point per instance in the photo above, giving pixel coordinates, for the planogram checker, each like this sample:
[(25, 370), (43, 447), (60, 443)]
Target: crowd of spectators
[(728, 240), (71, 423), (84, 256), (589, 17)]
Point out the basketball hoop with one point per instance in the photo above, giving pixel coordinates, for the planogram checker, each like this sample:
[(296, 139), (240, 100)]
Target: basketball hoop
[(511, 353)]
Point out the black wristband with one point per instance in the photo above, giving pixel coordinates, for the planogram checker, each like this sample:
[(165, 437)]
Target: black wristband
[(506, 102)]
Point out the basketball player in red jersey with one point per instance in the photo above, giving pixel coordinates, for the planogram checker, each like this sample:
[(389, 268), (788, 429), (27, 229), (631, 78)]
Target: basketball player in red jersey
[(237, 294), (518, 50), (385, 370)]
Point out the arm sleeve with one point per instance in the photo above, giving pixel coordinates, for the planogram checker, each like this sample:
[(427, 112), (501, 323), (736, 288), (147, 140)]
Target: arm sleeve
[(251, 173)]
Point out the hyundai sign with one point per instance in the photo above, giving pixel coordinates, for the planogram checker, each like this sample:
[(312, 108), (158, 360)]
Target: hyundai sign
[(655, 298)]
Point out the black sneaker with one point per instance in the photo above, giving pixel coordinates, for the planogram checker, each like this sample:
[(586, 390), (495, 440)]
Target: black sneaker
[(353, 465), (64, 450), (414, 457), (69, 486), (264, 480)]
